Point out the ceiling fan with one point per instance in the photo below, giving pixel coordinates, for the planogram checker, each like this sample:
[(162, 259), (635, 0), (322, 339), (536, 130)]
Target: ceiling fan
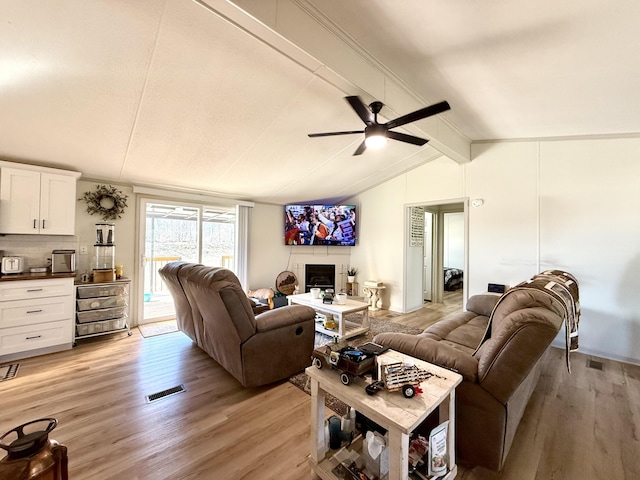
[(376, 134)]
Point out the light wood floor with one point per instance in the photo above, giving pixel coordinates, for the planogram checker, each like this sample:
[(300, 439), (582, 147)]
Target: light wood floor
[(429, 314), (579, 426)]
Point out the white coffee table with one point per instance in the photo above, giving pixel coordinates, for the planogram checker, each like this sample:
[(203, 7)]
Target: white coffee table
[(346, 329)]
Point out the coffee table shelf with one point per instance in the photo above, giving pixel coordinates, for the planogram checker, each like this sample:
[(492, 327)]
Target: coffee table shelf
[(346, 329), (399, 415), (350, 329)]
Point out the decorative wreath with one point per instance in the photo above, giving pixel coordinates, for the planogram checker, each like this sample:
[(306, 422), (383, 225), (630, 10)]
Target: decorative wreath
[(107, 201)]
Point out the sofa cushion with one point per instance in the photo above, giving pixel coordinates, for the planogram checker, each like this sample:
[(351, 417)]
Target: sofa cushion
[(483, 304), (519, 299), (464, 329), (514, 348), (184, 316), (239, 308), (445, 354)]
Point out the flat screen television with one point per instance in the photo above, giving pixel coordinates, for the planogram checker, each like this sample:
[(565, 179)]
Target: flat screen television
[(306, 224)]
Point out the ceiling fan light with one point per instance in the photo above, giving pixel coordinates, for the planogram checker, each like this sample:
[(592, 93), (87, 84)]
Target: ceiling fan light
[(375, 141)]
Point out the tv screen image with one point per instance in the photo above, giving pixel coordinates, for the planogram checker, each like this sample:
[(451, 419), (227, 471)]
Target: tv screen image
[(320, 224)]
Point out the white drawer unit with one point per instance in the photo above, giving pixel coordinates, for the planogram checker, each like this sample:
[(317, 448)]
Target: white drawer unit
[(27, 312), (25, 289), (36, 317), (102, 308), (34, 337)]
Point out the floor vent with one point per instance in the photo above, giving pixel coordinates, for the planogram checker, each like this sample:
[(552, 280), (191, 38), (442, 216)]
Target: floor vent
[(165, 393), (594, 364), (7, 372), (391, 315)]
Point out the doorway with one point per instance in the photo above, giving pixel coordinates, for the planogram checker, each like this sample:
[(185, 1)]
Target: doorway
[(173, 231), (435, 271)]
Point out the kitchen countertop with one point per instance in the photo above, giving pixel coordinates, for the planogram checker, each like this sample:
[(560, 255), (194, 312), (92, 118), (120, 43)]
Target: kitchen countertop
[(117, 280), (35, 276)]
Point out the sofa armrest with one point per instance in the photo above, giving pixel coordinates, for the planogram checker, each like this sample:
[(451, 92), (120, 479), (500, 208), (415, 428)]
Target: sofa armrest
[(280, 317), (432, 351)]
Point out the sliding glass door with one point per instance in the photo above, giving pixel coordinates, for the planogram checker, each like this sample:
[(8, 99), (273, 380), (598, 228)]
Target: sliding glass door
[(180, 231)]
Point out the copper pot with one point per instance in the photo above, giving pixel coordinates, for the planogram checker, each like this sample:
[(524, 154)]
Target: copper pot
[(31, 455)]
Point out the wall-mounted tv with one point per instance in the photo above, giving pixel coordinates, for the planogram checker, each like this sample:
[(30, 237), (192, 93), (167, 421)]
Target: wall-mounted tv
[(307, 224)]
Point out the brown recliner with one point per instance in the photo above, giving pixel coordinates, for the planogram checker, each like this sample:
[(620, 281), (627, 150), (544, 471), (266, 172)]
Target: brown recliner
[(256, 350), (498, 344), (184, 318)]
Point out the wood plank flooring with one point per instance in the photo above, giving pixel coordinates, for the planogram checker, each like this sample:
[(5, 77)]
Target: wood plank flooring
[(579, 426), (429, 314)]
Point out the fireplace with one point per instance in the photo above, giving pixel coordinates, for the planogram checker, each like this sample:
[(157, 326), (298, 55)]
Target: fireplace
[(320, 276)]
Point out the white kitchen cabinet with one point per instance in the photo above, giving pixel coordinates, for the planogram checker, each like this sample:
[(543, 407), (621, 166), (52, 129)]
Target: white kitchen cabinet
[(36, 317), (37, 201)]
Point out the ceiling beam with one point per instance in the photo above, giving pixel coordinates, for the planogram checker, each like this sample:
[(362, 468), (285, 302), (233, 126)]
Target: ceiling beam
[(299, 31)]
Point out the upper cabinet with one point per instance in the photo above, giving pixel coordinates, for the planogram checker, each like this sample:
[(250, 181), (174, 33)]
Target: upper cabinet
[(37, 200)]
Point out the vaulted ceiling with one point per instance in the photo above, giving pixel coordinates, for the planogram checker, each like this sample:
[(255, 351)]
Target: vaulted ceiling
[(219, 96)]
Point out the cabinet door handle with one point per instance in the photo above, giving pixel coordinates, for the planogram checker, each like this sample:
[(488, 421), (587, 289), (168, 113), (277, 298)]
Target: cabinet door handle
[(43, 224), (34, 311), (35, 290), (35, 223), (33, 338)]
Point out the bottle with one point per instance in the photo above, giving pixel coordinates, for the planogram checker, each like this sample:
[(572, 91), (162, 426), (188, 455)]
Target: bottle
[(326, 436), (335, 433), (345, 422)]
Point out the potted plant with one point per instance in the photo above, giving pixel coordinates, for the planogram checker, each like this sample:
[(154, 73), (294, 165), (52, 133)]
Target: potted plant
[(351, 274)]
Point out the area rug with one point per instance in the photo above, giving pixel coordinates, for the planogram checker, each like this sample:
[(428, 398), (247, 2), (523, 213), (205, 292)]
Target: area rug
[(377, 325), (7, 372), (158, 328)]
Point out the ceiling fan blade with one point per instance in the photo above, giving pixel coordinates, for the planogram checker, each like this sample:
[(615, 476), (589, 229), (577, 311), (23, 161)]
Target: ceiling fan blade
[(330, 134), (360, 149), (361, 109), (407, 138), (419, 114)]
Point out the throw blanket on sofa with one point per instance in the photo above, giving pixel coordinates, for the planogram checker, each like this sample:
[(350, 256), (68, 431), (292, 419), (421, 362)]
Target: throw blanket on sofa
[(563, 287)]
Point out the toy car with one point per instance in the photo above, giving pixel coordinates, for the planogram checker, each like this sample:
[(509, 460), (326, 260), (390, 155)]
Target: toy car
[(352, 362)]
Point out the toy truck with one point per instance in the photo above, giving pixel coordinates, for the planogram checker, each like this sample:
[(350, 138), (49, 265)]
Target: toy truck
[(399, 376), (350, 361)]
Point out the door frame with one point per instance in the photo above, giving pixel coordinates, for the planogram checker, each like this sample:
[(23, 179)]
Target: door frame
[(189, 198), (141, 233), (437, 283)]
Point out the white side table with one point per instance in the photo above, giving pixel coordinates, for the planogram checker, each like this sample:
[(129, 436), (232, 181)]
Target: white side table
[(373, 296), (399, 415)]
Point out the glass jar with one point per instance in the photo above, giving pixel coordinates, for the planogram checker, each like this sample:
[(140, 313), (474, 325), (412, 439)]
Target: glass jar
[(104, 258), (105, 233)]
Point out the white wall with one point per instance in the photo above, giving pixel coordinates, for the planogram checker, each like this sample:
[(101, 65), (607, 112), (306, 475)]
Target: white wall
[(268, 255), (572, 205), (454, 240), (125, 230), (380, 254), (125, 238)]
